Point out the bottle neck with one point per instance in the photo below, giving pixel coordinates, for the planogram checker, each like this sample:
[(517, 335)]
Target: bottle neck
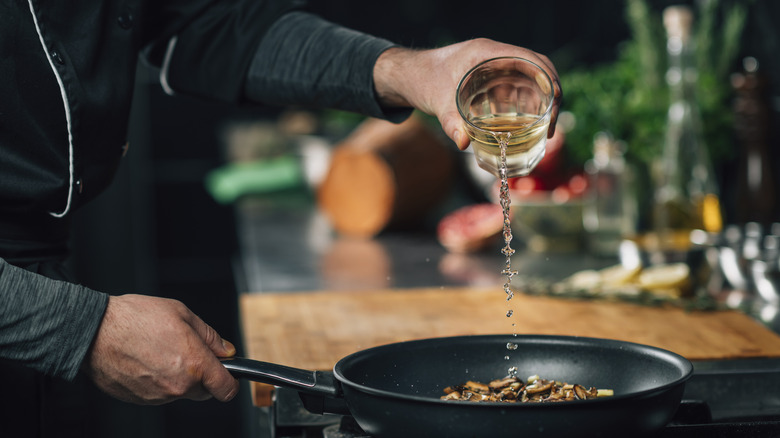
[(681, 75)]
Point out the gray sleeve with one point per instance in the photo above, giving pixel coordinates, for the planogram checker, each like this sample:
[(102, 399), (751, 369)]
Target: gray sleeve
[(46, 324), (305, 60)]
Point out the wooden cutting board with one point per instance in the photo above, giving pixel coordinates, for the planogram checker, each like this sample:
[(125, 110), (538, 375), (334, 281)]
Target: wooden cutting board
[(313, 330)]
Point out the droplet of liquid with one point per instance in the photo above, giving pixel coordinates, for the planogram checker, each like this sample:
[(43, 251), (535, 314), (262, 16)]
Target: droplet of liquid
[(511, 346), (509, 313), (512, 371), (506, 357), (509, 292), (509, 272), (502, 138)]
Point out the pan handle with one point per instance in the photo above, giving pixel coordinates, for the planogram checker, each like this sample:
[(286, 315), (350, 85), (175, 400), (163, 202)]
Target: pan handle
[(271, 373), (319, 390)]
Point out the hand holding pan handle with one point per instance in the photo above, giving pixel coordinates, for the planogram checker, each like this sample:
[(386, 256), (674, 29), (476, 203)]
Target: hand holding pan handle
[(319, 390)]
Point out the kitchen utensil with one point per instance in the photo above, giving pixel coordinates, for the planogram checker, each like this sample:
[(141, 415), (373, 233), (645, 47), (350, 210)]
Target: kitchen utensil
[(394, 390)]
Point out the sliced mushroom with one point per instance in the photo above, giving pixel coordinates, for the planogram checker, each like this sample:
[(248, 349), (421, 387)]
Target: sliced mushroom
[(477, 387), (512, 390), (502, 383), (450, 389), (580, 392), (538, 387), (453, 395)]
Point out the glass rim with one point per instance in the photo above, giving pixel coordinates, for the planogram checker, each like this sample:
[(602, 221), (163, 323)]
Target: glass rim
[(539, 117)]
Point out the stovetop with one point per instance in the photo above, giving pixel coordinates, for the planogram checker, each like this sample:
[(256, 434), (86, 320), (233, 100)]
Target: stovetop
[(716, 404)]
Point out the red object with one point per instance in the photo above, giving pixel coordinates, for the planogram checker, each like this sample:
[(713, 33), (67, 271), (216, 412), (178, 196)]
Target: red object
[(524, 185), (471, 228), (553, 154), (578, 185)]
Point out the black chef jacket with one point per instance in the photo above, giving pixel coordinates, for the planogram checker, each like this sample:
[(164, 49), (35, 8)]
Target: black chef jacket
[(66, 78), (62, 134), (66, 82)]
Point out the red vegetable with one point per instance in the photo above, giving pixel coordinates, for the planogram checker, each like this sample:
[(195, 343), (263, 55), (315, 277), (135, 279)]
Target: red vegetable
[(471, 228)]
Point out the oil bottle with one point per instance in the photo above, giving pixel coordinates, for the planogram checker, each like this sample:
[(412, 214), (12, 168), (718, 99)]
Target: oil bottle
[(686, 194)]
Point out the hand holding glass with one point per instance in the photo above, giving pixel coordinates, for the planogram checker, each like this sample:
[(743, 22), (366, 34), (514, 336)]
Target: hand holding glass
[(506, 100)]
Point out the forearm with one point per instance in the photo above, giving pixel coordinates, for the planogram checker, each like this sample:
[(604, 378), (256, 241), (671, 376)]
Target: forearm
[(305, 60), (46, 324)]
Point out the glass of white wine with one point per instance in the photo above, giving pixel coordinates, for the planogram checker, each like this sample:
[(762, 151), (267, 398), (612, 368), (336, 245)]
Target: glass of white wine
[(506, 103)]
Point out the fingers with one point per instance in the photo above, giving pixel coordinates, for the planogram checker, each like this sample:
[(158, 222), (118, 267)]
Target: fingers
[(216, 380), (557, 98), (553, 122), (549, 68)]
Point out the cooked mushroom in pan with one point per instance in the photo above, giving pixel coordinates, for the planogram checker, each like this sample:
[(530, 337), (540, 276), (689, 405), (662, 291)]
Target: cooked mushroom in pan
[(512, 390)]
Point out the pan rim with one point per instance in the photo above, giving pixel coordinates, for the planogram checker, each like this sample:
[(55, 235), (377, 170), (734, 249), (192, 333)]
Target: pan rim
[(674, 359)]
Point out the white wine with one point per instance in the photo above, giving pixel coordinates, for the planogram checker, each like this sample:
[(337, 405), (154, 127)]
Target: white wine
[(506, 105), (508, 146), (525, 137), (507, 250)]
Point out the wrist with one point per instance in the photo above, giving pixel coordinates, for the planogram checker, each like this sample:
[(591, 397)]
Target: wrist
[(389, 76)]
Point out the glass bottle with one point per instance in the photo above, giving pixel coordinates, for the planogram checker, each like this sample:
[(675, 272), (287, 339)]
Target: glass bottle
[(686, 194), (607, 214)]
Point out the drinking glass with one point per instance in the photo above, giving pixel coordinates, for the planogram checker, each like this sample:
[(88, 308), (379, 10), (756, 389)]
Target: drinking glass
[(506, 100)]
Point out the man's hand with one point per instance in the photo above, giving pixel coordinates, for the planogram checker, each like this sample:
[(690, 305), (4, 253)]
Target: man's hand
[(152, 350), (427, 79)]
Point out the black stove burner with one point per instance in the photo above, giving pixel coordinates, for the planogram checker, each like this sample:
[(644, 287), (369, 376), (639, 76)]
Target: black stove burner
[(347, 428), (694, 420), (718, 404), (691, 426), (750, 429)]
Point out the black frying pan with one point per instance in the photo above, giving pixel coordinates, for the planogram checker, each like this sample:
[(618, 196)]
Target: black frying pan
[(393, 390)]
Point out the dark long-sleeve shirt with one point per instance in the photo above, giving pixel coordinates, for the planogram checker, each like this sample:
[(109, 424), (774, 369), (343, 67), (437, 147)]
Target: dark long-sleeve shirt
[(46, 324), (66, 78)]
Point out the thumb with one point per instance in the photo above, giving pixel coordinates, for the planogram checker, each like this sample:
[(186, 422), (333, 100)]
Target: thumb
[(220, 347), (452, 125), (228, 349)]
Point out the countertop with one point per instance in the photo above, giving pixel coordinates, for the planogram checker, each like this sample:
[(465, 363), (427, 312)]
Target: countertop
[(289, 254), (287, 246)]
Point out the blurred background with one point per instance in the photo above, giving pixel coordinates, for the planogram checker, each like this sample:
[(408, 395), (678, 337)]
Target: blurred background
[(159, 230)]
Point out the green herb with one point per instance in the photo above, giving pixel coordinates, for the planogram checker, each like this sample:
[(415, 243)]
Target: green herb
[(629, 97)]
